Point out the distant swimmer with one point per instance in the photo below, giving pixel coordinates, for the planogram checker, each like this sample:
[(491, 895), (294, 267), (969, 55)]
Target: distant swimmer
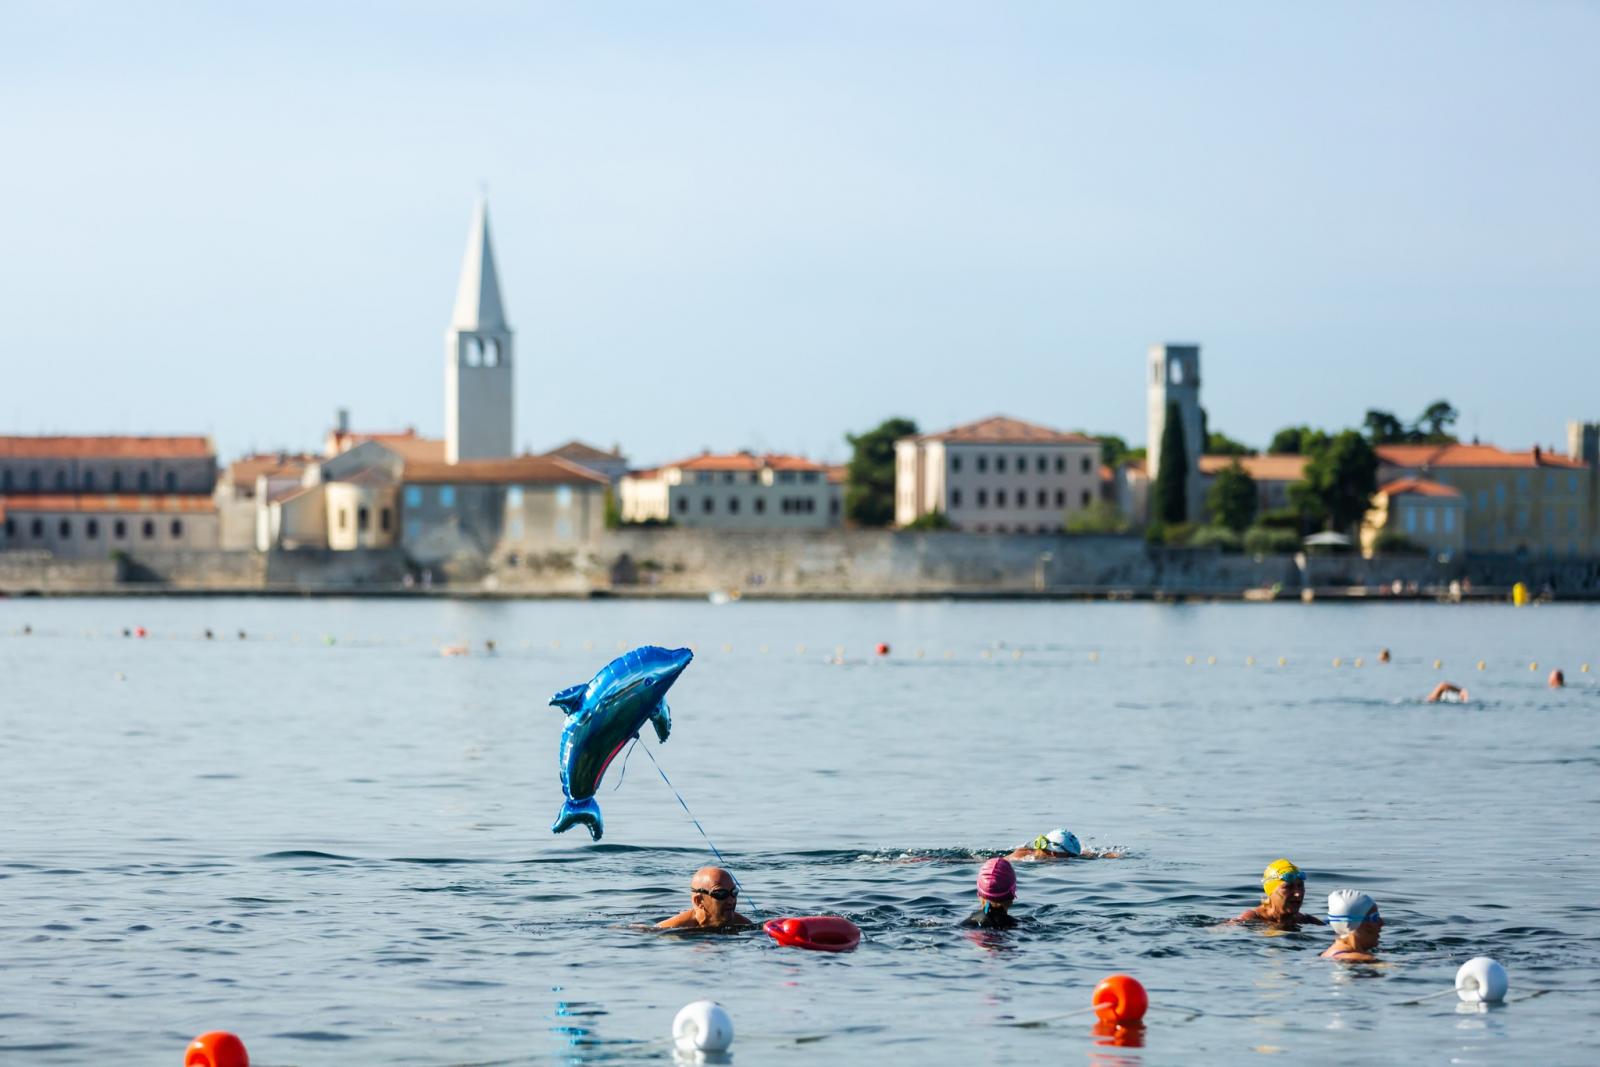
[(1557, 679), (1447, 693), (1285, 887), (997, 891), (713, 897), (1058, 844), (1383, 655), (1355, 920)]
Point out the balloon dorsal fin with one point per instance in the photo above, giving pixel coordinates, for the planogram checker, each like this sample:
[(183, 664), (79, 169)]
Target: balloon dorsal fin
[(570, 699)]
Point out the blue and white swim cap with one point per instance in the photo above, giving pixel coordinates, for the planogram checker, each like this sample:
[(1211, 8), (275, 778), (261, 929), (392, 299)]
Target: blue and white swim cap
[(1348, 909), (1059, 842)]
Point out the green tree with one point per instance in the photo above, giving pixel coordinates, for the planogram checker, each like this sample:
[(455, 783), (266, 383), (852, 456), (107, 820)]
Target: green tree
[(1296, 441), (1220, 444), (1340, 480), (1113, 449), (1232, 498), (869, 488), (1171, 491), (1433, 425), (930, 520), (1384, 429), (1100, 517)]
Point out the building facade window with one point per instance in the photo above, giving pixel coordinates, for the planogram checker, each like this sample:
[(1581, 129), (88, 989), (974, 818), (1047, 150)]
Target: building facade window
[(983, 498), (1022, 464), (144, 481), (683, 504), (1061, 498), (1000, 464), (384, 519), (5, 480), (61, 479), (1449, 522), (413, 496), (64, 529), (1087, 497), (999, 498), (707, 505), (36, 528), (413, 529), (1086, 464), (91, 529), (363, 518), (171, 482), (11, 527), (955, 498), (177, 528), (733, 505), (563, 496), (955, 468), (761, 506), (514, 496), (119, 529), (447, 496), (116, 481), (33, 481), (148, 529), (1041, 465), (1411, 521), (1044, 498), (88, 481), (1427, 521), (344, 518)]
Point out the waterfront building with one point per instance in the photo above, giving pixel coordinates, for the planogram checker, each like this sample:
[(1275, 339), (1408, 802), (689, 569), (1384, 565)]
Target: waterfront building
[(87, 497), (1273, 476), (735, 491), (1173, 382), (1427, 514), (248, 480), (999, 475), (1535, 502), (504, 509), (479, 380)]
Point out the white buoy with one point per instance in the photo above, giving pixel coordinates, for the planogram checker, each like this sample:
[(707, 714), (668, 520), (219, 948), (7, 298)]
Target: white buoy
[(1482, 980), (703, 1026)]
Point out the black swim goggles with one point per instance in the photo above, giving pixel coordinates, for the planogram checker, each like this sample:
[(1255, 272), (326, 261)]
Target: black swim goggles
[(715, 894)]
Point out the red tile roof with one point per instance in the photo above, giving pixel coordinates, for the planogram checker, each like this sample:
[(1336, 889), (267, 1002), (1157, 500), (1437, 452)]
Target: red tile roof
[(1274, 468), (1472, 456), (518, 470), (89, 447), (578, 451), (1003, 430), (244, 472), (406, 444), (1417, 487), (113, 502), (737, 461), (838, 474)]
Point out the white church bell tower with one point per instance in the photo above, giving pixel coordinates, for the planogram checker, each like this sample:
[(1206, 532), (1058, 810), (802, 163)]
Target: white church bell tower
[(478, 383)]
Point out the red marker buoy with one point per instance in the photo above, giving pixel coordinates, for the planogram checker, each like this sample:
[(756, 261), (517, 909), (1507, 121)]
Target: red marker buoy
[(883, 648), (216, 1049), (139, 631), (1120, 999)]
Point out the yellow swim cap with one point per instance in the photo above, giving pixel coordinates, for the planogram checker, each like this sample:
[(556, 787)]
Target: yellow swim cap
[(1277, 873)]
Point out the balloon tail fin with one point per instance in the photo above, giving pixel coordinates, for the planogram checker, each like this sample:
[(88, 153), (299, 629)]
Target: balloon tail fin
[(585, 811)]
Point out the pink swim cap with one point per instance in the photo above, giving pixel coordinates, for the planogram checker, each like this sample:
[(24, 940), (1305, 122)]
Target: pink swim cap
[(997, 881)]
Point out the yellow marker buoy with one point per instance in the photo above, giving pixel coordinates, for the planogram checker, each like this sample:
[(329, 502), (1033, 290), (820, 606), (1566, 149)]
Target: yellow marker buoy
[(800, 650), (1438, 664), (1094, 657), (1249, 661), (1282, 662), (1584, 669), (985, 654), (727, 647), (920, 653), (1357, 662), (1482, 665), (948, 654), (1337, 661), (1189, 660), (1533, 666), (1016, 653), (555, 644), (1211, 661)]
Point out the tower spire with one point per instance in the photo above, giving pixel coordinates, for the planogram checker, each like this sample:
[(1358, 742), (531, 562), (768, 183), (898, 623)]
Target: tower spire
[(478, 304)]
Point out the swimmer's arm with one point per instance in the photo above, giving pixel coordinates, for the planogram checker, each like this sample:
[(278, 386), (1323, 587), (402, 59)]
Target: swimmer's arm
[(1312, 919), (683, 918), (1248, 916), (1098, 856)]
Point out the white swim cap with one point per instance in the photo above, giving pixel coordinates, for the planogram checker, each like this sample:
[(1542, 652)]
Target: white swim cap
[(1059, 842), (1348, 909)]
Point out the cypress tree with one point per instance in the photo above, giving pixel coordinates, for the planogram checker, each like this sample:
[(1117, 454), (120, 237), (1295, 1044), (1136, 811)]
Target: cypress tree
[(1171, 490)]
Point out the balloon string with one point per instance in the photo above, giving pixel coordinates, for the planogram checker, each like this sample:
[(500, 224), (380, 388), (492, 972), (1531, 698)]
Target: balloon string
[(751, 900), (625, 757)]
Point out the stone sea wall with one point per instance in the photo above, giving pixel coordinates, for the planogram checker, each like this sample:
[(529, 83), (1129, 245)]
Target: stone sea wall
[(675, 562)]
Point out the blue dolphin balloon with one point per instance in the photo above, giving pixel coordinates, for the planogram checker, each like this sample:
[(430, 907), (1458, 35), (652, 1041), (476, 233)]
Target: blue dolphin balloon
[(603, 716)]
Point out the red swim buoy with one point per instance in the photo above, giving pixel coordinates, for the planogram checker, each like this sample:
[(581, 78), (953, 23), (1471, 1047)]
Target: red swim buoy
[(139, 631), (820, 933), (883, 648), (1120, 999), (216, 1049)]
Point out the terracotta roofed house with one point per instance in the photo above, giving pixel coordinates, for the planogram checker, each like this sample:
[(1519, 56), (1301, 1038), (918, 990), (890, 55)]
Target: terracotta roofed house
[(1423, 512), (735, 491), (999, 474), (488, 508)]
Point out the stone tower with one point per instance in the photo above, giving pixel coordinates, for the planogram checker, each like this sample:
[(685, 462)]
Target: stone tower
[(478, 364), (1174, 378)]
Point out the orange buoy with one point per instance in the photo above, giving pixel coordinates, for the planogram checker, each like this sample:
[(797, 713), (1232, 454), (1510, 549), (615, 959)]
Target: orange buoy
[(216, 1049), (883, 649), (820, 933), (1120, 999), (140, 631)]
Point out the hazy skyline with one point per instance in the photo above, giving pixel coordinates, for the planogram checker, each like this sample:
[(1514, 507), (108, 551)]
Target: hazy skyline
[(732, 225)]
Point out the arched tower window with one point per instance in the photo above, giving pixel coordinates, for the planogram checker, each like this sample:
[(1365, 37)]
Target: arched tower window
[(491, 352), (472, 352)]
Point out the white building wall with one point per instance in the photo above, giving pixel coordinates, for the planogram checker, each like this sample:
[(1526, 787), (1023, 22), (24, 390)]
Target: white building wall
[(1011, 488)]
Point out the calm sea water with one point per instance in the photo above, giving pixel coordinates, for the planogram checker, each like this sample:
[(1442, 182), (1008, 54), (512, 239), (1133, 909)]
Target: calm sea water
[(333, 841)]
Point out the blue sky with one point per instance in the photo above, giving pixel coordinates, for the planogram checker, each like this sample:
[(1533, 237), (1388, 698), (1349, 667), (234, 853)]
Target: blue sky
[(762, 225)]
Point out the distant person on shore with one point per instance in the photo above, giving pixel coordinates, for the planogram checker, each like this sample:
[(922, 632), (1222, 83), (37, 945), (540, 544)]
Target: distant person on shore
[(1356, 923), (1284, 886), (997, 891), (1058, 845), (1557, 679), (1447, 693), (1383, 655), (713, 896)]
